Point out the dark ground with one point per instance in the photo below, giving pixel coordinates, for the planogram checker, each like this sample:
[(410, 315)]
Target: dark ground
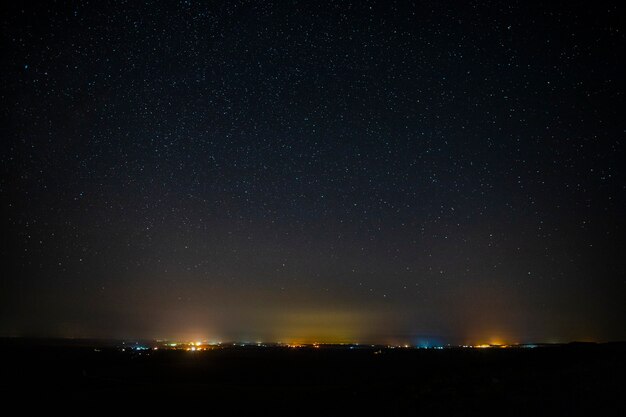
[(575, 379)]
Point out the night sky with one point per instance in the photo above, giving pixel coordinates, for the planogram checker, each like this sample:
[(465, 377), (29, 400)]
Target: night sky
[(427, 172)]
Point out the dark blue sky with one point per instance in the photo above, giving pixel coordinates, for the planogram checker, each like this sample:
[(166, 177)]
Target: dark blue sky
[(313, 170)]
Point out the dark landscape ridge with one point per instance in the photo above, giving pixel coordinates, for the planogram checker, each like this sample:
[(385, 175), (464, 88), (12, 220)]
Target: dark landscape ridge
[(558, 379)]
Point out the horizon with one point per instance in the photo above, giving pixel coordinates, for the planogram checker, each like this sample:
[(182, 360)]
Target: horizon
[(183, 344)]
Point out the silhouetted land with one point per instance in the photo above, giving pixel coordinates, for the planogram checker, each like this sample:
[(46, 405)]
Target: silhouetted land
[(574, 379)]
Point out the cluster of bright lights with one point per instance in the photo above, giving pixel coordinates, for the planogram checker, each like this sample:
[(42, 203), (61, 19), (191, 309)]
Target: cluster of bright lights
[(206, 345), (194, 346)]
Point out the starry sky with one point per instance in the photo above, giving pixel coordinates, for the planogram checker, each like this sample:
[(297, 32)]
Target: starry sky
[(313, 171)]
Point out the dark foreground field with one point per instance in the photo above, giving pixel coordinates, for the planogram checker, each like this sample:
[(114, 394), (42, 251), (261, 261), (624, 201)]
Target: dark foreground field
[(558, 380)]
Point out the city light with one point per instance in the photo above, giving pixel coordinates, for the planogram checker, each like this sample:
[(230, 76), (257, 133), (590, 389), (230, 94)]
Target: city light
[(208, 346)]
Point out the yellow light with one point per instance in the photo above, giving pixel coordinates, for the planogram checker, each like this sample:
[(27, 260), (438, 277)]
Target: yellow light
[(198, 343), (193, 348)]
